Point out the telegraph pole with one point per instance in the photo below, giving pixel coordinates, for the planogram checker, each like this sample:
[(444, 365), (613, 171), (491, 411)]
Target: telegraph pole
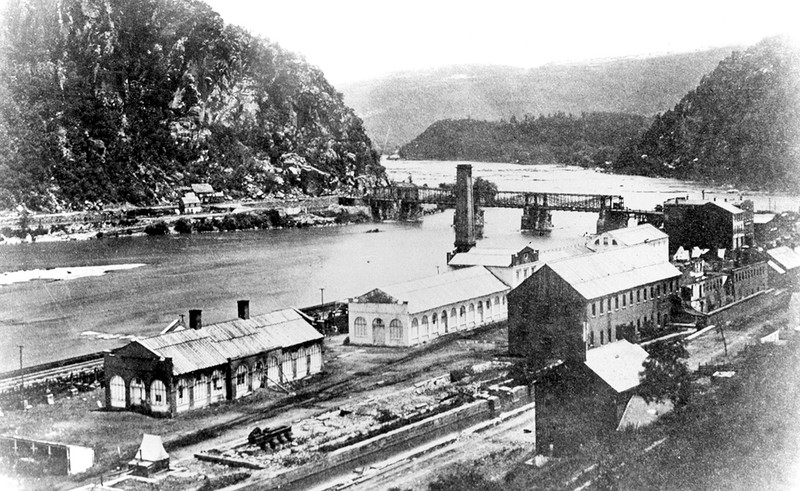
[(321, 297), (22, 375)]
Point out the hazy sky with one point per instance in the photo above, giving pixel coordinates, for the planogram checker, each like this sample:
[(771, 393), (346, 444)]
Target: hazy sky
[(352, 40)]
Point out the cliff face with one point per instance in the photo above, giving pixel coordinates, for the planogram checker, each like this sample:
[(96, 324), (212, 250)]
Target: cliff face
[(741, 125), (122, 101)]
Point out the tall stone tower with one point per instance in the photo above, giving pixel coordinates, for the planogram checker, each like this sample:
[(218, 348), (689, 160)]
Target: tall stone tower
[(465, 209)]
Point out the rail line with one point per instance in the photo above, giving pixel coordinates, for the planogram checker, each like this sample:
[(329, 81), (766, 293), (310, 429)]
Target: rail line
[(50, 371)]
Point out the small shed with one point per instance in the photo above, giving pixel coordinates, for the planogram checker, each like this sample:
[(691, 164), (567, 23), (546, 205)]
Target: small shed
[(150, 458)]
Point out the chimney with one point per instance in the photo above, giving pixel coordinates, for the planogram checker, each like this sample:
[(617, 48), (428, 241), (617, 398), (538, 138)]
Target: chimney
[(244, 309), (195, 319)]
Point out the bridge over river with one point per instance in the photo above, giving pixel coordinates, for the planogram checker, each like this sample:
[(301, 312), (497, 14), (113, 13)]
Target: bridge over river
[(406, 198)]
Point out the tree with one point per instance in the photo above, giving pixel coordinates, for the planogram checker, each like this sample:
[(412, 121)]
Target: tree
[(666, 376)]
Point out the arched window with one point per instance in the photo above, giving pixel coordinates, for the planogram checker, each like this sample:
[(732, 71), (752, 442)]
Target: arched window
[(158, 395), (434, 324), (426, 330), (471, 314), (360, 327), (117, 388), (182, 396), (258, 375), (395, 330), (273, 370), (453, 315), (480, 312), (462, 317), (137, 392), (414, 328), (444, 320), (242, 382)]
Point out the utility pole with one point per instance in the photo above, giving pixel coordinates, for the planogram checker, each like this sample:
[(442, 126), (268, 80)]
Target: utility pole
[(22, 375), (321, 297)]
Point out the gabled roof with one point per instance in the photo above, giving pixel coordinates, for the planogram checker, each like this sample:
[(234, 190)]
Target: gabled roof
[(618, 364), (202, 188), (785, 257), (640, 234), (500, 258), (213, 345), (190, 199), (443, 289), (609, 272), (735, 210)]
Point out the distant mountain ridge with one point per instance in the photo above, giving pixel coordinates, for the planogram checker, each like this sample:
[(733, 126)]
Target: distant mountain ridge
[(397, 108)]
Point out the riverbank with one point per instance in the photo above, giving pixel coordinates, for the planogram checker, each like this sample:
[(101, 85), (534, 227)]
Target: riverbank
[(239, 219)]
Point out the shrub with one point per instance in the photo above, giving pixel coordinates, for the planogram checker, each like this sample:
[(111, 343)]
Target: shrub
[(158, 228), (183, 226)]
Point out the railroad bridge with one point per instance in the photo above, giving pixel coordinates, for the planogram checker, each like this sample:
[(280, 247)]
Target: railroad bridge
[(406, 198)]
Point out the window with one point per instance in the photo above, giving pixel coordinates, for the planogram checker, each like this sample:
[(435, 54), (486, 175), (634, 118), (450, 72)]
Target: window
[(609, 304), (444, 320), (591, 338), (609, 335), (631, 298), (117, 387), (624, 298), (414, 327), (616, 303), (651, 292), (137, 392), (360, 325), (158, 393), (594, 309), (658, 290), (182, 392), (425, 328), (602, 339), (241, 375), (395, 330), (601, 307), (453, 314), (216, 380), (638, 296), (644, 293)]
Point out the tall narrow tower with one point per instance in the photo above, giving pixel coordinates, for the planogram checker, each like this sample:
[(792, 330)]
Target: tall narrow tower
[(465, 209)]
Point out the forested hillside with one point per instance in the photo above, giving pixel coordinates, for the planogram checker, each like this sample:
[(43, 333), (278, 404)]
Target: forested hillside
[(399, 107), (121, 101), (741, 125), (560, 138)]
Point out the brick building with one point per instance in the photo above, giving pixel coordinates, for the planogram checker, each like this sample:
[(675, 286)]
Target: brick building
[(707, 224), (573, 305), (197, 366)]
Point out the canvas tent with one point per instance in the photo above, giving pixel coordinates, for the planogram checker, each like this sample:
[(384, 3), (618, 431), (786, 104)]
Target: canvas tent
[(151, 456)]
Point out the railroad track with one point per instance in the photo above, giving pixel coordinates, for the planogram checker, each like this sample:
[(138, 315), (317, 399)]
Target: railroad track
[(50, 371)]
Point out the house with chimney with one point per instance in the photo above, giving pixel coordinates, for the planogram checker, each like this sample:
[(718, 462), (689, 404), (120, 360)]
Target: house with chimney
[(186, 368)]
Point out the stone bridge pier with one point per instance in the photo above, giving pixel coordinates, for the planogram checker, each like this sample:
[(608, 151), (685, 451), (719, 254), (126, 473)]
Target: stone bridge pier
[(611, 220), (535, 219)]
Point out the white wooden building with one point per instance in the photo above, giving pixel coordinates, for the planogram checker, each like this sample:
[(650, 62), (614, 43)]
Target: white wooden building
[(413, 312)]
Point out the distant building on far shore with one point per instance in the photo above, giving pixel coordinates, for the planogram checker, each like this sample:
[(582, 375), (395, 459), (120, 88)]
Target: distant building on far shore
[(707, 224)]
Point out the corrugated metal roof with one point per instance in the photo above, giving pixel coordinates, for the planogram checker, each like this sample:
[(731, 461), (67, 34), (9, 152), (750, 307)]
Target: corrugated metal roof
[(609, 272), (213, 345), (618, 364), (784, 256), (639, 234), (445, 289)]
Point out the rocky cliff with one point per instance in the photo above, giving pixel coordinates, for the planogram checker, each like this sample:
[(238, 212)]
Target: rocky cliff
[(106, 102), (741, 125)]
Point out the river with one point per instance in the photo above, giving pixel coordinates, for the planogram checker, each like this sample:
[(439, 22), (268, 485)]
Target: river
[(277, 268)]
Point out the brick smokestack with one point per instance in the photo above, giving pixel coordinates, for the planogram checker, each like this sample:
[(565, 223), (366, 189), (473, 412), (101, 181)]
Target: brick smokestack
[(244, 309), (195, 319)]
